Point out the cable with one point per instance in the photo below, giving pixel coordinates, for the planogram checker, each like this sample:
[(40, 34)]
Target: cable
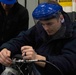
[(32, 61), (18, 59)]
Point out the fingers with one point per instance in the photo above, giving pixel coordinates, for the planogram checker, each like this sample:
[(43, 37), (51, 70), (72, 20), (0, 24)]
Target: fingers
[(28, 53), (26, 50), (5, 57)]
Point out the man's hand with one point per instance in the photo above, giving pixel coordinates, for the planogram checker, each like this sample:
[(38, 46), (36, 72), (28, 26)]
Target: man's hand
[(29, 53), (5, 57)]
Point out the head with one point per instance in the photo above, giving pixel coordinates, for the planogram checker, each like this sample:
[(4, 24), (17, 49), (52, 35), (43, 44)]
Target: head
[(7, 4), (50, 16)]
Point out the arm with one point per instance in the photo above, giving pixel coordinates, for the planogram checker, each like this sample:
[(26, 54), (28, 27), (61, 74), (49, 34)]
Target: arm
[(14, 46), (66, 61)]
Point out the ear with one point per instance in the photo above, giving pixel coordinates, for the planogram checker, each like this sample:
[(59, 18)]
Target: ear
[(61, 18)]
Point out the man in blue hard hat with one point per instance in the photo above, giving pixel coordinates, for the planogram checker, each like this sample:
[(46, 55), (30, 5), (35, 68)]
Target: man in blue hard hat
[(52, 39), (13, 19), (7, 4)]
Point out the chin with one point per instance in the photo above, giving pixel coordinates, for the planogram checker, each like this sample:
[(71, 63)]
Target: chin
[(50, 33)]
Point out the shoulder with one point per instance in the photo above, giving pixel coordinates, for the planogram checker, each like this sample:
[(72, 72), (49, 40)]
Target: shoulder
[(20, 10), (20, 7)]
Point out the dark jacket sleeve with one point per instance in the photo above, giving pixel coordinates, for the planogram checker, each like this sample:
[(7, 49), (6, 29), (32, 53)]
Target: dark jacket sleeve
[(15, 44), (66, 61)]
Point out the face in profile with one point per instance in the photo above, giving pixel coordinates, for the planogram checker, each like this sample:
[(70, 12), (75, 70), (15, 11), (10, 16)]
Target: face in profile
[(7, 7)]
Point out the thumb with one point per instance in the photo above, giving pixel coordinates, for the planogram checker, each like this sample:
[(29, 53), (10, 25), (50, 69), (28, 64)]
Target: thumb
[(8, 53)]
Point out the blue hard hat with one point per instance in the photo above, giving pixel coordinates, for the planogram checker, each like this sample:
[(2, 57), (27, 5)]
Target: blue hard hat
[(8, 1), (45, 10)]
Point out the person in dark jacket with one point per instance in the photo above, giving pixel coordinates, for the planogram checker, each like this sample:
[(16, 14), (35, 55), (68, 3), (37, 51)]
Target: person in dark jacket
[(52, 39), (13, 19)]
